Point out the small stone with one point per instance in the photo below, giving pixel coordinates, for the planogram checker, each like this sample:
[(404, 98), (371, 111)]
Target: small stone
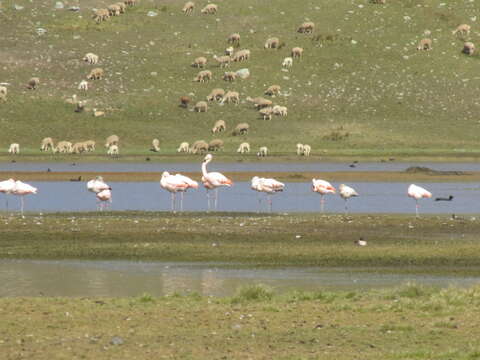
[(116, 340), (152, 13)]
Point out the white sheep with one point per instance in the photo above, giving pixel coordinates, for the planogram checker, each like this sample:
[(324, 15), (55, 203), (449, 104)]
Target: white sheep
[(112, 140), (273, 90), (306, 150), (462, 29), (215, 145), (468, 48), (216, 94), (91, 58), (95, 74), (63, 147), (78, 148), (241, 55), (199, 146), (100, 15), (262, 152), (259, 102), (203, 76), (201, 106), (229, 51), (114, 10), (3, 93), (89, 145), (425, 44), (199, 62), (83, 85), (231, 97), (33, 83), (188, 7), (113, 150), (306, 27), (234, 39), (14, 148), (209, 9), (184, 147), (244, 148), (297, 52), (287, 62), (223, 60), (155, 145), (229, 76), (280, 110), (219, 126), (272, 43), (47, 144), (241, 129), (300, 149), (266, 113)]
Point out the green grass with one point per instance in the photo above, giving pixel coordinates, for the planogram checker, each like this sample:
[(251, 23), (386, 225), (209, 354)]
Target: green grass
[(361, 74)]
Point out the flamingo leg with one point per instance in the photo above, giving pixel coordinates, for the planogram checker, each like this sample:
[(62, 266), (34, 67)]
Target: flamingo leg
[(173, 201), (22, 204), (259, 203), (346, 207), (269, 200), (216, 199), (208, 200), (416, 208), (181, 201), (322, 203), (6, 202)]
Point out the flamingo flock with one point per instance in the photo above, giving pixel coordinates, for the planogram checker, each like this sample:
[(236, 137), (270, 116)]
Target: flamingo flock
[(18, 188)]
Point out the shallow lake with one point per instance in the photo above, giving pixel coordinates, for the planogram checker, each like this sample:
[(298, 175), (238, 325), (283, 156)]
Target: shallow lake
[(127, 278), (297, 197)]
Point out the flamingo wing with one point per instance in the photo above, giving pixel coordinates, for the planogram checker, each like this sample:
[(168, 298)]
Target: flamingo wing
[(218, 179)]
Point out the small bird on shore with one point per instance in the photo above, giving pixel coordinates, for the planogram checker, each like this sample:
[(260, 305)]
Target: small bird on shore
[(450, 198)]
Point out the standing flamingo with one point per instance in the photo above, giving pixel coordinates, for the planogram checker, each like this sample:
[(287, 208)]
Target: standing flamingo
[(96, 186), (21, 189), (104, 198), (213, 180), (418, 193), (268, 186), (346, 192), (323, 188), (177, 183), (7, 187)]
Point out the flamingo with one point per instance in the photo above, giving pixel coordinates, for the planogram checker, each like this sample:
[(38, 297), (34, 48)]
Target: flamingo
[(21, 189), (96, 186), (323, 188), (103, 197), (268, 186), (7, 187), (418, 193), (213, 180), (346, 192), (177, 183)]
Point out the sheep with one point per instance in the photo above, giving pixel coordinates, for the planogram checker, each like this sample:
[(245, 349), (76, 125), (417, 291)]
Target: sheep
[(468, 48), (229, 76), (262, 152), (266, 113), (47, 144), (223, 60), (462, 29), (215, 145), (95, 74), (216, 94), (188, 7), (306, 150), (280, 110), (219, 126), (14, 148), (78, 148), (241, 55), (112, 140), (244, 148), (201, 106), (234, 39), (300, 149), (229, 51), (113, 150), (425, 44), (100, 15), (155, 145), (297, 52), (63, 147), (272, 43), (199, 146), (83, 85), (184, 101), (231, 97), (306, 28), (33, 83), (287, 62), (273, 90), (114, 10), (3, 93), (203, 76), (80, 106), (91, 58), (97, 113), (184, 147), (130, 2), (209, 9), (241, 129), (199, 62), (122, 7), (89, 145), (259, 102)]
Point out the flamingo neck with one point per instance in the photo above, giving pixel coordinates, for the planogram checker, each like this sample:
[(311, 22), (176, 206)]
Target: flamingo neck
[(204, 168)]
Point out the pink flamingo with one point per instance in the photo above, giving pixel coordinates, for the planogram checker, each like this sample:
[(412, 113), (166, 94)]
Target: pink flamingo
[(323, 188), (96, 186), (177, 183), (418, 193), (104, 199), (7, 187), (267, 186), (21, 189), (213, 180), (346, 192)]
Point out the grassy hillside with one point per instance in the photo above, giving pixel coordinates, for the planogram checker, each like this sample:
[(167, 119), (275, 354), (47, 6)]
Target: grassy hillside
[(360, 75)]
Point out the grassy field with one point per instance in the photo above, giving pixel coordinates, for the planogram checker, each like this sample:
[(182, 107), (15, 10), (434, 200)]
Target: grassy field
[(410, 322), (361, 88)]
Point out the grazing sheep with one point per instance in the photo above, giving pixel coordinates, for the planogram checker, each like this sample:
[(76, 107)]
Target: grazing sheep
[(112, 140), (229, 76), (241, 129), (463, 29), (114, 10), (299, 149), (80, 106), (122, 7), (100, 15), (425, 44), (63, 147), (306, 28), (155, 145), (244, 148), (83, 85), (215, 145), (266, 113), (241, 55), (306, 150), (14, 148), (216, 94), (223, 60), (259, 102), (231, 97), (188, 7), (219, 126), (199, 146), (78, 148), (297, 52), (209, 9), (468, 48), (184, 147), (280, 110), (273, 90), (199, 62), (91, 58), (287, 62), (113, 150), (33, 83), (47, 144), (89, 145), (201, 106), (95, 74), (234, 39), (262, 152), (130, 2), (3, 93), (229, 51), (203, 76), (184, 101), (272, 43)]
